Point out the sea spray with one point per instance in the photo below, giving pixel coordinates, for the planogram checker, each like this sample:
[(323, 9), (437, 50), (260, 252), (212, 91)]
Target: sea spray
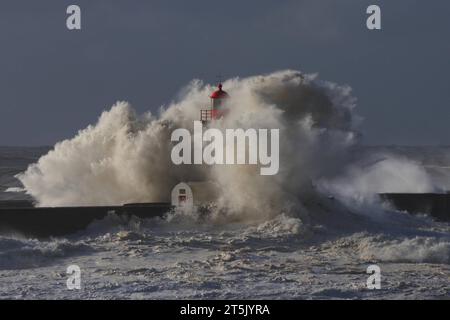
[(126, 158)]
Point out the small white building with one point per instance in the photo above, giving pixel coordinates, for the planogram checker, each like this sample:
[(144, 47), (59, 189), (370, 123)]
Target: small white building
[(190, 194)]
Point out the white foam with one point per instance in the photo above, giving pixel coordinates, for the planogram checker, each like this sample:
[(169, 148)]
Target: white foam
[(15, 189), (417, 249)]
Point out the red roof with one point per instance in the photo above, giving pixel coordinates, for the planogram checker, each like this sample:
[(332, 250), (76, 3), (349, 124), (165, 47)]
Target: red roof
[(219, 93)]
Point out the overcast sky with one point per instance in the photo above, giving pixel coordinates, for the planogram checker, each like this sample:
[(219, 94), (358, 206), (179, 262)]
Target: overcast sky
[(54, 82)]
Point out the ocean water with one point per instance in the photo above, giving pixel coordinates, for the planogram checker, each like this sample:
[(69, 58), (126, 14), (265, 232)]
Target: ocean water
[(309, 232), (321, 253), (14, 160)]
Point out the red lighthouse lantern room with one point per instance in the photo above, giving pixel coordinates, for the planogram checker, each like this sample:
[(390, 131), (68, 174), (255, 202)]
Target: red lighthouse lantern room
[(217, 109)]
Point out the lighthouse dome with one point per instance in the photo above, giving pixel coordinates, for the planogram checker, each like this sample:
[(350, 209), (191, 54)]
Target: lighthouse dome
[(219, 93)]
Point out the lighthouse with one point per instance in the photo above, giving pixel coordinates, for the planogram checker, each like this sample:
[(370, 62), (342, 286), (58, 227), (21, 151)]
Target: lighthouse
[(216, 109)]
